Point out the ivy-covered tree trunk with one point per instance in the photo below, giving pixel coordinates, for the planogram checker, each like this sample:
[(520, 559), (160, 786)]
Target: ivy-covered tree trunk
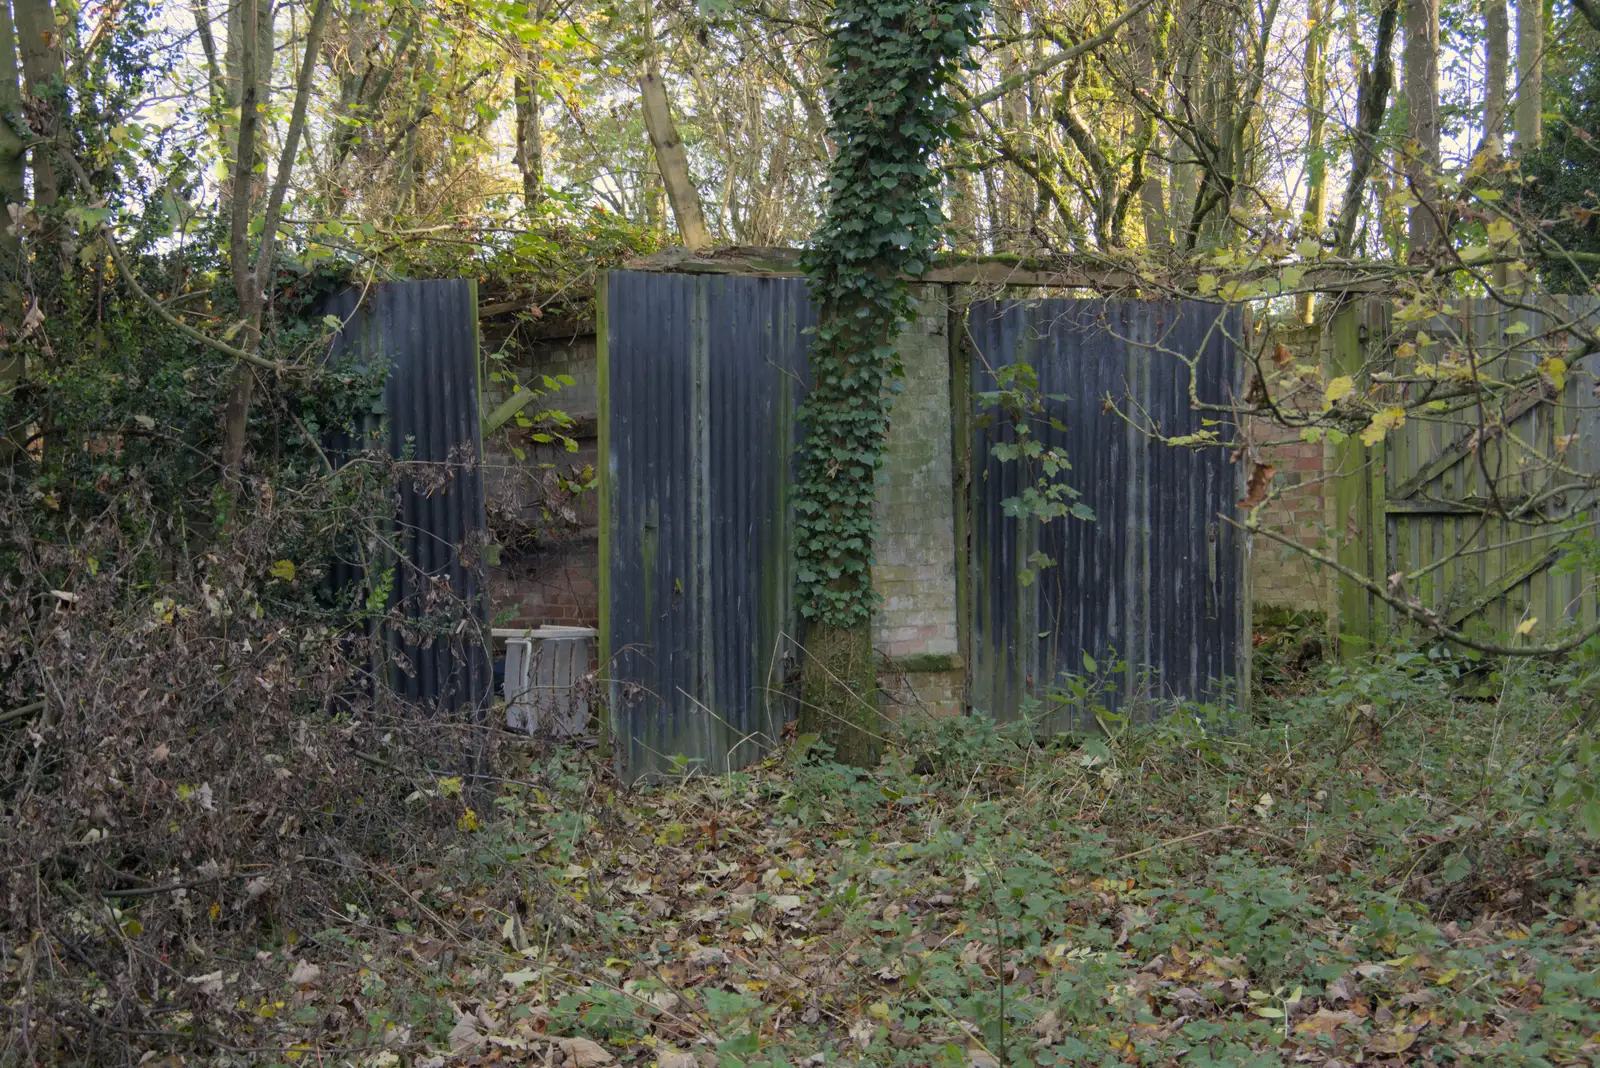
[(892, 64)]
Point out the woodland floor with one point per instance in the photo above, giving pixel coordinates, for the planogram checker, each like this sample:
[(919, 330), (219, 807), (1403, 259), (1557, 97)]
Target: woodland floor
[(1368, 874)]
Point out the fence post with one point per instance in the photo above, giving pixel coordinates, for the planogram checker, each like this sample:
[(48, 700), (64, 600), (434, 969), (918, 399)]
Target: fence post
[(1359, 521)]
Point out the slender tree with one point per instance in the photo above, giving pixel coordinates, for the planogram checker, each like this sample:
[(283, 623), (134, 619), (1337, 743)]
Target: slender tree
[(13, 168), (1316, 89), (1422, 119), (1497, 62), (1372, 102), (671, 159), (530, 133), (1530, 75), (252, 269)]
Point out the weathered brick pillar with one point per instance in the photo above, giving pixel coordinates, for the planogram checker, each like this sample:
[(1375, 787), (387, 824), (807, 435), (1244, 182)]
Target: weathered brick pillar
[(915, 570)]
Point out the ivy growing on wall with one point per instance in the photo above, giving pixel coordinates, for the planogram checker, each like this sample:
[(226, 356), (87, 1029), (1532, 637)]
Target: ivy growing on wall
[(892, 63)]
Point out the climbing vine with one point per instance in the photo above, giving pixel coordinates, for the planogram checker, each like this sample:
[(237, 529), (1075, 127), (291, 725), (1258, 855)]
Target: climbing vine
[(892, 63)]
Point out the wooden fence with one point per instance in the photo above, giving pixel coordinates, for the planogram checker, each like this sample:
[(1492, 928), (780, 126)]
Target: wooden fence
[(1473, 505)]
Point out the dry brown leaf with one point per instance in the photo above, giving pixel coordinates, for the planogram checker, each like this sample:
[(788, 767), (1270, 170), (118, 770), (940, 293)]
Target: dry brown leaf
[(464, 1035), (582, 1052), (1392, 1042), (209, 983), (1048, 1028), (1324, 1022), (305, 974), (1260, 481), (667, 1057)]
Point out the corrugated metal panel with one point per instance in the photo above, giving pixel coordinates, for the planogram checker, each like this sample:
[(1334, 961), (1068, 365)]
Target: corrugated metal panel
[(1157, 580), (700, 376), (427, 334)]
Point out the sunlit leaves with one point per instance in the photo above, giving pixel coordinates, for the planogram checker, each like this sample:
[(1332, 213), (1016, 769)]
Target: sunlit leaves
[(1384, 421), (1338, 389)]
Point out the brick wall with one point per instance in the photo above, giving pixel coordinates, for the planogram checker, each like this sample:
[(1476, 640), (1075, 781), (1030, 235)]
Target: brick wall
[(560, 586), (552, 578), (1281, 577), (915, 569)]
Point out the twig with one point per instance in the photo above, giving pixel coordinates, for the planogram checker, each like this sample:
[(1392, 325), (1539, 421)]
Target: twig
[(1021, 78), (1416, 611), (1173, 841), (187, 884), (18, 713)]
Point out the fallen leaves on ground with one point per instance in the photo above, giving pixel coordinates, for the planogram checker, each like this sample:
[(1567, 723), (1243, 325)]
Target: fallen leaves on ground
[(1269, 897)]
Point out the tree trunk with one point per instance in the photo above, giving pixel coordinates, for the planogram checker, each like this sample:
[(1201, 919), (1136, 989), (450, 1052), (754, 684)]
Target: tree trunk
[(236, 72), (839, 675), (530, 135), (671, 160), (246, 79), (1422, 120), (12, 191), (1017, 189), (1316, 81), (963, 195), (1372, 100), (1497, 61), (252, 275), (39, 42), (1150, 44), (1530, 75), (12, 152)]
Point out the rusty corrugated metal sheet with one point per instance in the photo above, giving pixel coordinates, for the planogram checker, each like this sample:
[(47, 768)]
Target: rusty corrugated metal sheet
[(1157, 580), (427, 334), (699, 379)]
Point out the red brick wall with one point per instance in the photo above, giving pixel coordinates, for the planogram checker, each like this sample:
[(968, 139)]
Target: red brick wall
[(560, 585), (1282, 577), (555, 578)]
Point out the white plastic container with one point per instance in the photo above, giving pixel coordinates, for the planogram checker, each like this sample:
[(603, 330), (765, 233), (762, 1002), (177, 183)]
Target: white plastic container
[(546, 687)]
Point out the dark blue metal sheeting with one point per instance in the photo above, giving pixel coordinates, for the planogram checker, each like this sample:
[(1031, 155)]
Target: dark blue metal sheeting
[(1155, 582), (426, 333), (699, 379)]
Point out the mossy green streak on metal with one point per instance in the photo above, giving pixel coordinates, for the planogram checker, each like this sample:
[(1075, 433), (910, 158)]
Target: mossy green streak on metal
[(607, 491)]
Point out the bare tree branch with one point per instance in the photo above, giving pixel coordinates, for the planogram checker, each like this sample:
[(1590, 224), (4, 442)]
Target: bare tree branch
[(1414, 609), (1050, 63), (1372, 101), (291, 144)]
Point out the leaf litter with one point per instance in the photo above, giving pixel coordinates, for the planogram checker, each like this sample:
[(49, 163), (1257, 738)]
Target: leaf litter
[(980, 899)]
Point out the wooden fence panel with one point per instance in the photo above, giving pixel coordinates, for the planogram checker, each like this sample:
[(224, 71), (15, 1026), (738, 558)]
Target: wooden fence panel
[(1475, 499)]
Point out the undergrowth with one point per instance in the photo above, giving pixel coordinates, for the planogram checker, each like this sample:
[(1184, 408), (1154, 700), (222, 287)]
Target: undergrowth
[(1387, 869)]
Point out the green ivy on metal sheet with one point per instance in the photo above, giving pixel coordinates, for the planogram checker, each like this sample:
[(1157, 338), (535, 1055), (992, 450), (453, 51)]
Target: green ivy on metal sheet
[(892, 64)]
